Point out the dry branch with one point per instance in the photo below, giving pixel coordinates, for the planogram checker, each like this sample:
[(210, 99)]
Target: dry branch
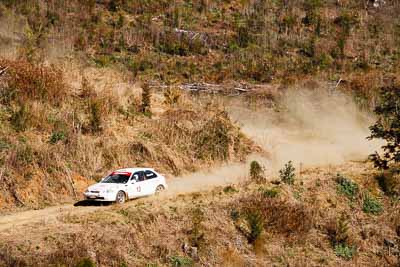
[(212, 88), (3, 70)]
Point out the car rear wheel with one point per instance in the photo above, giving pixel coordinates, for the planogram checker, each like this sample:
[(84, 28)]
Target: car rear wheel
[(120, 199), (159, 189)]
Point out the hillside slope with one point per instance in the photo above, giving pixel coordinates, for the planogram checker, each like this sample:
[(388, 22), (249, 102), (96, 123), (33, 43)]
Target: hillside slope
[(318, 221), (58, 133), (214, 41)]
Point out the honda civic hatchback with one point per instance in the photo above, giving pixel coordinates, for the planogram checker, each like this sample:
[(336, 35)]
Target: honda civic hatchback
[(125, 184)]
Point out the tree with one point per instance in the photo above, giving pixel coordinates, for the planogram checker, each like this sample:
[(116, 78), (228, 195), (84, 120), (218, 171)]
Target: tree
[(387, 127), (146, 100)]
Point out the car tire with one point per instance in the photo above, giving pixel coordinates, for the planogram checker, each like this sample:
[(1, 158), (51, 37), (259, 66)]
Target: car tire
[(120, 198), (159, 189)]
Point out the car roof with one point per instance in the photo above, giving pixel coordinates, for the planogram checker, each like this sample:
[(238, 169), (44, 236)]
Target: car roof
[(132, 170)]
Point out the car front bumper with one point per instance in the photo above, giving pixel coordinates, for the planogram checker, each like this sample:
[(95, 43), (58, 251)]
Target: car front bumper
[(100, 196)]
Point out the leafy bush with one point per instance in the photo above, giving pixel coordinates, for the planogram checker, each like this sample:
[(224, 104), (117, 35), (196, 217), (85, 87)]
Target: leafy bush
[(256, 225), (338, 234), (230, 189), (178, 261), (387, 127), (235, 214), (372, 205), (56, 137), (86, 262), (389, 182), (287, 174), (256, 172), (346, 187), (344, 251), (346, 21), (312, 16), (271, 193), (338, 231)]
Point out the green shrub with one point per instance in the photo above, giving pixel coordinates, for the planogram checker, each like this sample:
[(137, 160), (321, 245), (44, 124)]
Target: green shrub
[(287, 174), (344, 251), (338, 231), (235, 214), (389, 182), (346, 21), (372, 205), (271, 193), (256, 225), (146, 100), (256, 172), (325, 61), (387, 127), (178, 261), (86, 262), (346, 187), (230, 189), (56, 137)]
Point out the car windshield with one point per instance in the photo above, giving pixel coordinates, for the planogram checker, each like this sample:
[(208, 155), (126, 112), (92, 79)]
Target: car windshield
[(116, 179)]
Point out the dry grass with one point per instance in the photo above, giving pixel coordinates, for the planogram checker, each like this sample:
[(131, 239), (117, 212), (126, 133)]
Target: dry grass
[(280, 216), (80, 125), (25, 81), (297, 232)]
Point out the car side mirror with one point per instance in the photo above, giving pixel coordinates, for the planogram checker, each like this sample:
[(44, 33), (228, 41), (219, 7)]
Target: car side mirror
[(133, 181)]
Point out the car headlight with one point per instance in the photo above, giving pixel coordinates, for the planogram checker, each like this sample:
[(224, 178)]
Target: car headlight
[(87, 191)]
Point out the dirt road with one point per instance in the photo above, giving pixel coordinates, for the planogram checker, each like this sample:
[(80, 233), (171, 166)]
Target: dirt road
[(200, 181)]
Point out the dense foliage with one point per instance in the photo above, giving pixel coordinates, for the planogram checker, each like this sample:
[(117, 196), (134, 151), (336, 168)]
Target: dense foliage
[(387, 127)]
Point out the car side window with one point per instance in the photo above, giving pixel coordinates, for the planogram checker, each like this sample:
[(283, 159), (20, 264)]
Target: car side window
[(150, 175), (139, 176)]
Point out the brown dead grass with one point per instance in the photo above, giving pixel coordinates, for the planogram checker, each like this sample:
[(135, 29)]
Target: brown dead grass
[(34, 82), (154, 230), (82, 125)]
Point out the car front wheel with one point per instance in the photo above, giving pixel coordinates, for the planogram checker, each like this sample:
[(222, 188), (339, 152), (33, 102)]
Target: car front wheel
[(120, 199)]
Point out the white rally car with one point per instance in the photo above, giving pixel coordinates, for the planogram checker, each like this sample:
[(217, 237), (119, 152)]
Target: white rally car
[(125, 184)]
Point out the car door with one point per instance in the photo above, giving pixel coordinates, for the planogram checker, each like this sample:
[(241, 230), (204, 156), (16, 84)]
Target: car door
[(136, 185), (152, 181)]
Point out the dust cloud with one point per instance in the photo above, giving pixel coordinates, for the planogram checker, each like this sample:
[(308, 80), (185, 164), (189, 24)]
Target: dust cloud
[(308, 127)]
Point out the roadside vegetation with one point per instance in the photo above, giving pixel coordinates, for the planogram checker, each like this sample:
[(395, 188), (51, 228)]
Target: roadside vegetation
[(239, 228), (90, 86), (51, 129)]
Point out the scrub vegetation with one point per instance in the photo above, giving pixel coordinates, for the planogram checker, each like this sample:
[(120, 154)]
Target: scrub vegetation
[(218, 229), (87, 87)]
